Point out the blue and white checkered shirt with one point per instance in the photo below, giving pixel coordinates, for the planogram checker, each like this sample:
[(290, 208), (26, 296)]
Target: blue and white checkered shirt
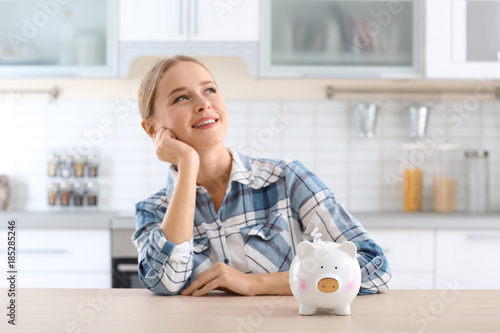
[(270, 206)]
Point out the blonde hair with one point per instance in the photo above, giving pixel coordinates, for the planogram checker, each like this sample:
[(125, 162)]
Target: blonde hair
[(149, 85)]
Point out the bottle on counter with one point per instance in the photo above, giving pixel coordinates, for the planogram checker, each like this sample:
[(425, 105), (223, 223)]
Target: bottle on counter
[(477, 181), (92, 193), (78, 165), (52, 163), (412, 179), (65, 190), (65, 165), (92, 164), (445, 178), (78, 193)]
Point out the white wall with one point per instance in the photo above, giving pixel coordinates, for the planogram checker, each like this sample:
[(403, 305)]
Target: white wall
[(322, 135)]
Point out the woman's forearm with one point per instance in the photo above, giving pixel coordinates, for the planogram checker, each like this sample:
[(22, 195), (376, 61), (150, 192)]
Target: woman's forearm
[(178, 222), (273, 284)]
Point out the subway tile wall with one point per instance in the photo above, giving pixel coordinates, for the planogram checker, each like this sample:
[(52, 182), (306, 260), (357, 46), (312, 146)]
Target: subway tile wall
[(363, 174)]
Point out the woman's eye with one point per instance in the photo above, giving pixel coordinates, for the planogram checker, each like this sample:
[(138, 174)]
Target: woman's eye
[(210, 90), (180, 98)]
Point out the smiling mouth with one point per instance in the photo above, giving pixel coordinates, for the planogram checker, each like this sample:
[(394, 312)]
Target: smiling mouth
[(206, 122)]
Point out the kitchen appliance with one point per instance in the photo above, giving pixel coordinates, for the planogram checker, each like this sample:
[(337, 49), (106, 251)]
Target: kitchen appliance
[(124, 256)]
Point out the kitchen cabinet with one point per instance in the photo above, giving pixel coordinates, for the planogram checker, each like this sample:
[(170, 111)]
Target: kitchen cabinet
[(463, 40), (58, 38), (465, 259), (188, 20), (411, 256), (60, 258), (338, 38)]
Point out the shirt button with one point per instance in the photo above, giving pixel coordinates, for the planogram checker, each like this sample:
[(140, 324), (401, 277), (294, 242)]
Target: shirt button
[(377, 262), (226, 261)]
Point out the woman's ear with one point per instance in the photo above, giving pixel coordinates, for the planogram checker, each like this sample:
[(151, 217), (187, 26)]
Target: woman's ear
[(149, 127)]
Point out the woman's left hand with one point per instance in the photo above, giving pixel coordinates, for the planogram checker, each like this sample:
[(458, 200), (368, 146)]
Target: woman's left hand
[(221, 276)]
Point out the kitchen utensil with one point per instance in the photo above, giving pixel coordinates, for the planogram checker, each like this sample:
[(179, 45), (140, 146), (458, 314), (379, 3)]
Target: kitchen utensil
[(477, 181), (418, 119), (366, 118)]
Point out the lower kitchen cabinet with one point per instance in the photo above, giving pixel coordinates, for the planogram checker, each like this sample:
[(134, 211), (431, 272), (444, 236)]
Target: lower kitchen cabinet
[(467, 259), (411, 256), (62, 258)]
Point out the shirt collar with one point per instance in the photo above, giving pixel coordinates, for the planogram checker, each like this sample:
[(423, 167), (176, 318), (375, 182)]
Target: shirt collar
[(241, 172)]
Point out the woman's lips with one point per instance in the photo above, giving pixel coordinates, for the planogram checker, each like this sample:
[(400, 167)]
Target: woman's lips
[(207, 126)]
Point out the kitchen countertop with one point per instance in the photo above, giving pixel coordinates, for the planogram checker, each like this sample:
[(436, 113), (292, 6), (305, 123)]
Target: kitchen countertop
[(139, 310), (370, 220)]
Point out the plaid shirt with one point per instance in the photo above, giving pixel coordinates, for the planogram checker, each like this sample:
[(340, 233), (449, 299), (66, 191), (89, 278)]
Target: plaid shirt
[(269, 207)]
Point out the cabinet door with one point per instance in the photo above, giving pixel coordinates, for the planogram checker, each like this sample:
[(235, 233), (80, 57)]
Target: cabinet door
[(467, 259), (51, 250), (410, 253), (342, 38), (152, 20), (224, 20), (463, 39)]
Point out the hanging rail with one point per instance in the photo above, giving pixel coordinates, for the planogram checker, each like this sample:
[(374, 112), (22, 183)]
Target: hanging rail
[(492, 94), (53, 92)]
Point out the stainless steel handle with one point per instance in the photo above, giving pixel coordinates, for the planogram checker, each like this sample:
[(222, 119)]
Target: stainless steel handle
[(127, 268), (195, 17), (181, 15), (484, 237)]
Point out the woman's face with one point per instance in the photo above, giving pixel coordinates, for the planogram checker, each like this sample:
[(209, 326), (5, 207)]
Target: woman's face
[(187, 97)]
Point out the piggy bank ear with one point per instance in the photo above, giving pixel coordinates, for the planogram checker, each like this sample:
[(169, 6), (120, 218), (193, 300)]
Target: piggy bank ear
[(349, 248), (304, 249)]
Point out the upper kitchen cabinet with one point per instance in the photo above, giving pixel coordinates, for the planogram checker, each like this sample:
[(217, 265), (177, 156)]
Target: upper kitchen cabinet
[(463, 39), (342, 38), (54, 38), (188, 20)]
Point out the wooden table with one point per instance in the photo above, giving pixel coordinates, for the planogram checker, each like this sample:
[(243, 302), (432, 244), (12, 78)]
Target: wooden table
[(139, 310)]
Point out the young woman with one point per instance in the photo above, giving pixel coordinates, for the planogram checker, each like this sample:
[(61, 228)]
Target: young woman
[(226, 220)]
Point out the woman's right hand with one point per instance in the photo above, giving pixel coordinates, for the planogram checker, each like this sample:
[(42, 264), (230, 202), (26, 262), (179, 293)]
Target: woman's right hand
[(170, 149)]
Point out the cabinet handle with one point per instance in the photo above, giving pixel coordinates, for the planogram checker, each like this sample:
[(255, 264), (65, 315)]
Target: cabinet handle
[(181, 15), (127, 268), (195, 11), (484, 237)]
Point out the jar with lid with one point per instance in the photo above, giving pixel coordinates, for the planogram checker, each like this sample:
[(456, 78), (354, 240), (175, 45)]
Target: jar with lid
[(78, 193), (92, 193), (445, 178), (52, 191), (65, 166), (412, 177), (78, 164), (477, 181), (92, 164), (52, 163), (65, 193)]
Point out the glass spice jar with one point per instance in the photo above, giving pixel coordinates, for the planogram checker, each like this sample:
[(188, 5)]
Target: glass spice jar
[(52, 190), (65, 193), (92, 193), (78, 193), (92, 164), (65, 165), (477, 181), (52, 163), (78, 165)]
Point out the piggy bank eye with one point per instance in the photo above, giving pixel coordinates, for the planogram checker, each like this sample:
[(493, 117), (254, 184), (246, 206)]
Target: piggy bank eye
[(321, 267), (335, 267)]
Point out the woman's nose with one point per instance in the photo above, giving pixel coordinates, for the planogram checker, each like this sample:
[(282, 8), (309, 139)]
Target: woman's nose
[(202, 104)]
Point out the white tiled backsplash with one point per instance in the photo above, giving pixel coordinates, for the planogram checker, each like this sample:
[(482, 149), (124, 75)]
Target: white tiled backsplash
[(321, 134)]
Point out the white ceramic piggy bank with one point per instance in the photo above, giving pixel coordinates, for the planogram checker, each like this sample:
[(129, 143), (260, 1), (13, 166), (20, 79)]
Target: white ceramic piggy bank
[(325, 275)]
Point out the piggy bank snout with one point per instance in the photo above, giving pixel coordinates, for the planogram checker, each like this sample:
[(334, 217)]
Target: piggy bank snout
[(328, 285)]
